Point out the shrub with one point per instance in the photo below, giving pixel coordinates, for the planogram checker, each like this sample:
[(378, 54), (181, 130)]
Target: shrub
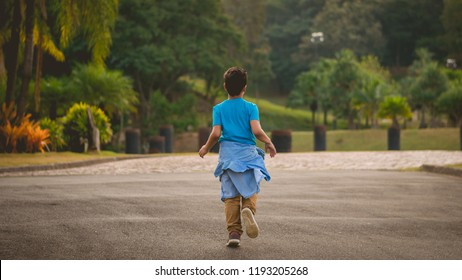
[(56, 133), (76, 125)]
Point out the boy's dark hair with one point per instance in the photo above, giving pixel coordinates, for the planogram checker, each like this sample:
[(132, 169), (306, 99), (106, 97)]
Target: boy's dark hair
[(235, 80)]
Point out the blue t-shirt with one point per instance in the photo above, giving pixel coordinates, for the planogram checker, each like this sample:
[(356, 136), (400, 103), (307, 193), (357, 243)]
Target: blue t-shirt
[(234, 116)]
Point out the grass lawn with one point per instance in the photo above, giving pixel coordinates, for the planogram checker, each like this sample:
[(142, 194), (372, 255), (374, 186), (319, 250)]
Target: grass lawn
[(376, 140)]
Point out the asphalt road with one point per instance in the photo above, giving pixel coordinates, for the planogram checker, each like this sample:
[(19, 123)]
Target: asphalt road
[(302, 215)]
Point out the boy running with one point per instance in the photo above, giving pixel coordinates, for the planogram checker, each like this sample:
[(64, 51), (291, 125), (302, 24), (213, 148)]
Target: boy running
[(236, 126)]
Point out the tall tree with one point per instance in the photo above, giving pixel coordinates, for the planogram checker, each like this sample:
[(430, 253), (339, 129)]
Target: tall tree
[(374, 84), (452, 22), (28, 56), (344, 80), (305, 93), (249, 17), (287, 22), (12, 49), (4, 6), (427, 82), (156, 43), (347, 24), (94, 20), (408, 25), (312, 89)]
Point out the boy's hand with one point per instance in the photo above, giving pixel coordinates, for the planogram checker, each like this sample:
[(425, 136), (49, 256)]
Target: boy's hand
[(213, 139), (269, 147), (203, 151)]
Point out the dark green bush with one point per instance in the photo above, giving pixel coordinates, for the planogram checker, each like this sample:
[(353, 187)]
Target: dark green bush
[(181, 113)]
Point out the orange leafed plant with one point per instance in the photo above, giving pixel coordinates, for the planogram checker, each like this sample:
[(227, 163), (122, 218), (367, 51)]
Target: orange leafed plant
[(36, 138), (24, 131), (11, 134)]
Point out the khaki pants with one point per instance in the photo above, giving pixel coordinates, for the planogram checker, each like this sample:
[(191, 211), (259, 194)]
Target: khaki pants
[(233, 211)]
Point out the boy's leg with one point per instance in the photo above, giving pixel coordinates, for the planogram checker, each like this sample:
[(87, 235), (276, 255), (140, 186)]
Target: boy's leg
[(233, 214), (249, 207), (232, 200), (250, 203)]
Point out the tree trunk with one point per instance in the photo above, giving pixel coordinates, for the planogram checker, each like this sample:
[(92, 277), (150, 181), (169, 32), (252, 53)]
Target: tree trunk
[(3, 14), (38, 75), (2, 65), (374, 119), (313, 118), (423, 123), (12, 51), (395, 123), (143, 106), (38, 70), (433, 120), (28, 58), (460, 135), (313, 108), (351, 121)]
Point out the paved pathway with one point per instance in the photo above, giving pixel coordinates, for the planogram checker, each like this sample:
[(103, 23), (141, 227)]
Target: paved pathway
[(302, 215), (388, 160), (318, 206)]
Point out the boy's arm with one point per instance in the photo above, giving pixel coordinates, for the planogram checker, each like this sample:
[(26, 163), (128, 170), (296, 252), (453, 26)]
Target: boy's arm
[(213, 139), (261, 135)]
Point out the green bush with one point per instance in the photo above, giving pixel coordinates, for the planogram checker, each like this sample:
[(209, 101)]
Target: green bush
[(76, 125), (56, 133)]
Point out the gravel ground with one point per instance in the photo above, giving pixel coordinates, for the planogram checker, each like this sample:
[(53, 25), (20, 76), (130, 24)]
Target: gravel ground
[(388, 160)]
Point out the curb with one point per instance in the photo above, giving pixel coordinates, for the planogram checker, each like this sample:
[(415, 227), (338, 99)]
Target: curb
[(442, 170), (64, 165)]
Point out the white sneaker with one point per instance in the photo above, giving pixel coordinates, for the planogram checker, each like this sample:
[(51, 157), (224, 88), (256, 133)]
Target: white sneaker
[(251, 227)]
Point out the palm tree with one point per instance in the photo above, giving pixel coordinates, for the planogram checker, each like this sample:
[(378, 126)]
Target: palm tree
[(93, 19), (395, 107), (107, 89)]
